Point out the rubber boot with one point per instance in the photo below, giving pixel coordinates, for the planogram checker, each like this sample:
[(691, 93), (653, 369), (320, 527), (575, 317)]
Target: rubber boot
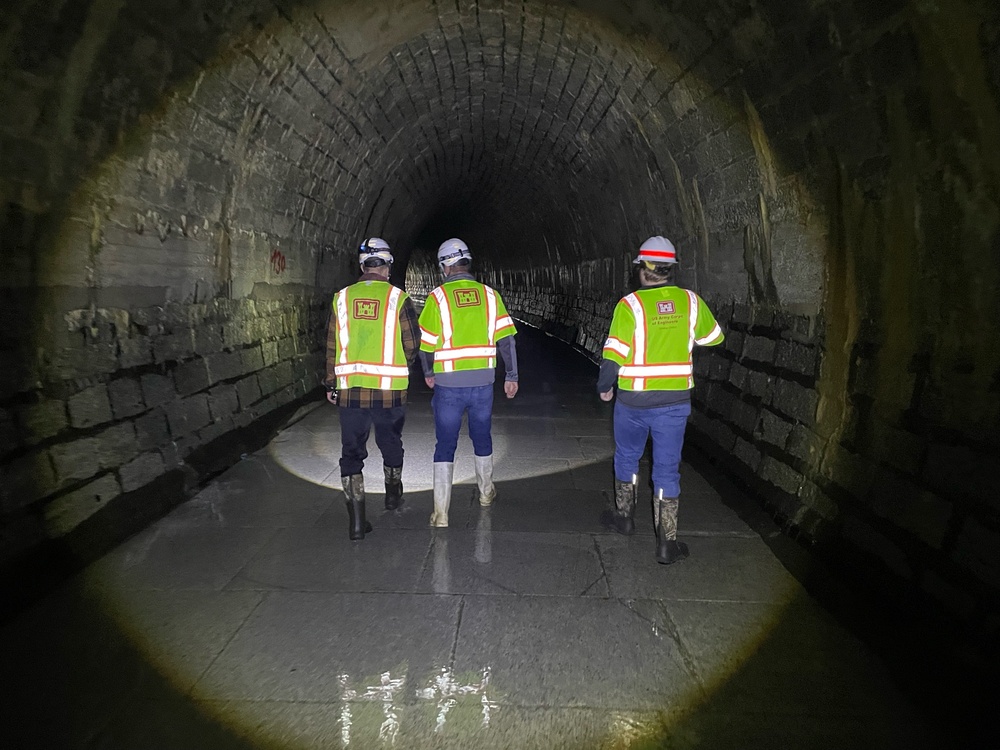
[(443, 475), (354, 489), (668, 549), (393, 487), (484, 478), (622, 518)]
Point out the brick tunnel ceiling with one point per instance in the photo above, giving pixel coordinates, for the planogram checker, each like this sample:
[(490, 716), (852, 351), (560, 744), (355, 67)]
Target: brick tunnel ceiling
[(543, 134), (518, 128)]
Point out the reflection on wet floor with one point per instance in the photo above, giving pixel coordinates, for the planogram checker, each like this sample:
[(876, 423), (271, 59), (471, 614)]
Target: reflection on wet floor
[(247, 619)]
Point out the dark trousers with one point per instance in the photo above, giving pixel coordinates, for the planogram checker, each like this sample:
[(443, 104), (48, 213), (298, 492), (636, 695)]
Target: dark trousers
[(355, 426)]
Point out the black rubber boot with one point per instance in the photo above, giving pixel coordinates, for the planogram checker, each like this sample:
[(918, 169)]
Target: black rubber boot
[(622, 518), (668, 549), (354, 489), (393, 487)]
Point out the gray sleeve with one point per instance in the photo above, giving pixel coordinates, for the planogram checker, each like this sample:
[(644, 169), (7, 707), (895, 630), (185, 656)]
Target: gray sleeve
[(508, 352), (427, 363), (608, 376)]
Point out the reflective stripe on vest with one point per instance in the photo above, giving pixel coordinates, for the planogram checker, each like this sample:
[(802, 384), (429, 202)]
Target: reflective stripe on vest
[(389, 340), (343, 337), (712, 336), (447, 355), (447, 332), (693, 323), (464, 352), (617, 345), (505, 322), (639, 345), (386, 370), (491, 314)]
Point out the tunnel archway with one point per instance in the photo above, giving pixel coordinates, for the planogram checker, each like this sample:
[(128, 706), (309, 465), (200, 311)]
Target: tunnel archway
[(185, 184)]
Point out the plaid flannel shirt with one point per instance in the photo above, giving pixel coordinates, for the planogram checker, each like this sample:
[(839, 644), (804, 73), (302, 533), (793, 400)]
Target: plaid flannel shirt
[(373, 398)]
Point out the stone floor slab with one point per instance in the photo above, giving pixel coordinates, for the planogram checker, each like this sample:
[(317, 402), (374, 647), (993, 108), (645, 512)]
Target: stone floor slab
[(308, 646), (554, 510), (570, 652), (751, 573), (179, 553), (482, 561), (387, 560), (282, 500)]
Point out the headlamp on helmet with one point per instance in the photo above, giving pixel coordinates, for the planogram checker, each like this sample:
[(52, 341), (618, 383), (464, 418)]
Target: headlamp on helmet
[(453, 251), (374, 252)]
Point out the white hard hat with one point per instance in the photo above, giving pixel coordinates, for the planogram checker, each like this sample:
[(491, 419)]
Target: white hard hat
[(452, 251), (657, 251), (373, 250)]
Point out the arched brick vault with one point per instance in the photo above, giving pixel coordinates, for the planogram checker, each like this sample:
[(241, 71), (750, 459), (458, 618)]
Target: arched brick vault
[(184, 184)]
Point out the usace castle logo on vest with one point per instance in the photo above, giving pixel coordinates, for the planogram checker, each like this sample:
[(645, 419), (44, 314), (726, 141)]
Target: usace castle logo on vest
[(467, 298), (366, 309), (665, 308)]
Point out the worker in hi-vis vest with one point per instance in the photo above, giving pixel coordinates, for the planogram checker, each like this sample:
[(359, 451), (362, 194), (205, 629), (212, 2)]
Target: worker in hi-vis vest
[(648, 353), (371, 341), (463, 326)]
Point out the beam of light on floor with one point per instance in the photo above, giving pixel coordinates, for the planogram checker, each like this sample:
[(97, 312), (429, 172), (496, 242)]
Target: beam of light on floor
[(313, 452)]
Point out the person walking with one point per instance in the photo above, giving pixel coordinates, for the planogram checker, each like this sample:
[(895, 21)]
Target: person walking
[(462, 327), (648, 352), (371, 341)]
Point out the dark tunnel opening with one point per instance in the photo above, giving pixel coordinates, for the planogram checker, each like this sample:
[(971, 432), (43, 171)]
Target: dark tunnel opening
[(442, 225), (185, 186)]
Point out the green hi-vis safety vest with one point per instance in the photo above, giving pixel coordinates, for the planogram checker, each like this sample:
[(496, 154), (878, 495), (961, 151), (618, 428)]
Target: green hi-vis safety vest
[(653, 332), (369, 348), (461, 324)]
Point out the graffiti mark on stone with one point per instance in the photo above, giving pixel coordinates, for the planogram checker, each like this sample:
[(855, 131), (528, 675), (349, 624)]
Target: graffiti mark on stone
[(278, 262)]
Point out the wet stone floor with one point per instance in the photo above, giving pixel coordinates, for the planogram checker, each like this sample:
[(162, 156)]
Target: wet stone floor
[(247, 619)]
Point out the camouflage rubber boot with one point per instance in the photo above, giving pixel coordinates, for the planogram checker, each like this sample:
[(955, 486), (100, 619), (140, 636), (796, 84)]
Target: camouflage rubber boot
[(393, 487), (622, 518), (354, 489), (668, 549)]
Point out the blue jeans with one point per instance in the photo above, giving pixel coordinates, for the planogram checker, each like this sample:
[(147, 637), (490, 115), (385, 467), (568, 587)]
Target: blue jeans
[(449, 404), (355, 426), (632, 428)]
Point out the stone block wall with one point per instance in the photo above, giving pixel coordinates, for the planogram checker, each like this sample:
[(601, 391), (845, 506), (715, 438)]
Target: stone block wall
[(132, 393), (898, 504)]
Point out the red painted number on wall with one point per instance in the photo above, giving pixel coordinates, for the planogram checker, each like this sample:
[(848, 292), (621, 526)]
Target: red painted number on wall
[(278, 262)]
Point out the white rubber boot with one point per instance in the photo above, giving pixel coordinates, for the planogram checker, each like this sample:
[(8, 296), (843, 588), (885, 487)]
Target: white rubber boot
[(443, 475), (484, 478)]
